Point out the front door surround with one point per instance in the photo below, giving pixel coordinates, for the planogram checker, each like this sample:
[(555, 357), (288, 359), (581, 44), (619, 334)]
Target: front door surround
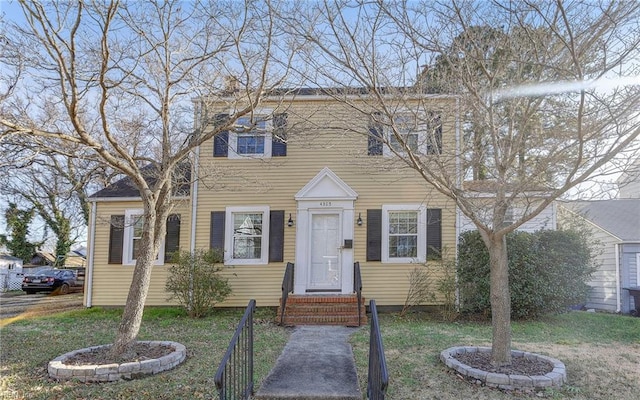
[(325, 220)]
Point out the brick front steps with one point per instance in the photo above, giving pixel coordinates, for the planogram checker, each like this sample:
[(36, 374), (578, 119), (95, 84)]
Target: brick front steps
[(555, 378), (58, 370), (323, 309)]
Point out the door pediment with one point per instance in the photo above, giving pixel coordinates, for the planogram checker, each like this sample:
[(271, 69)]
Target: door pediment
[(326, 185)]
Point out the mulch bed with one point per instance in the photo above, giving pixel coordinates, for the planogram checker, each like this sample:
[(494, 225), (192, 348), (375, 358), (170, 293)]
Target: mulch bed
[(518, 366), (101, 356)]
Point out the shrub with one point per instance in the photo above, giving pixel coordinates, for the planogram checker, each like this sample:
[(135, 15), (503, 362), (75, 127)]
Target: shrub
[(548, 271), (194, 280), (424, 285)]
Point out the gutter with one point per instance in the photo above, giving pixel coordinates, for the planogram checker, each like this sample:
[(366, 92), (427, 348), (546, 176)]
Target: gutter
[(92, 239)]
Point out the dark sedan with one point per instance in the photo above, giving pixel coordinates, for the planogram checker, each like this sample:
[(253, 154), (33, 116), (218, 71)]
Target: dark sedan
[(61, 281)]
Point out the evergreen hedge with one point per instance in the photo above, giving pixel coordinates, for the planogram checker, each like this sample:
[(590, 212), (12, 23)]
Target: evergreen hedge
[(548, 272)]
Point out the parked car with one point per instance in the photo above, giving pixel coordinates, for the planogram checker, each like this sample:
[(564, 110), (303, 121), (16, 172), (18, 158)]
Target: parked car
[(62, 281)]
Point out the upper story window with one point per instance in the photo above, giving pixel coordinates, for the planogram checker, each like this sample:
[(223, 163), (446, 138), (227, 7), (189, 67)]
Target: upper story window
[(421, 133), (251, 137), (259, 135)]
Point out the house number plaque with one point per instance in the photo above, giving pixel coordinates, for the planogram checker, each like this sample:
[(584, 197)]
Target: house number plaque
[(325, 204)]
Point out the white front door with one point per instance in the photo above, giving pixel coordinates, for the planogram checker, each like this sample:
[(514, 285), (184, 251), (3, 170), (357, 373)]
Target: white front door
[(325, 258)]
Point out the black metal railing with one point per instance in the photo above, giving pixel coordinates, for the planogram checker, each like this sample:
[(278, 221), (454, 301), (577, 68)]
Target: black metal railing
[(357, 285), (378, 378), (234, 378), (287, 287)]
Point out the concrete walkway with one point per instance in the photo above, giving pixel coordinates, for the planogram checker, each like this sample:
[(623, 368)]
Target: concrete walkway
[(316, 363)]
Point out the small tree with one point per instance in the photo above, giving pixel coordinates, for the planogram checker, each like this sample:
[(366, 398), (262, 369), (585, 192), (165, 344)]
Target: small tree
[(194, 280)]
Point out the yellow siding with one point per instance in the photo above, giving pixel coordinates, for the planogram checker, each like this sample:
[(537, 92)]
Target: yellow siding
[(111, 281), (314, 143)]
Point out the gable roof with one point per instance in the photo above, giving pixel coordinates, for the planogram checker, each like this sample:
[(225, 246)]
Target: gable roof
[(620, 217), (124, 188)]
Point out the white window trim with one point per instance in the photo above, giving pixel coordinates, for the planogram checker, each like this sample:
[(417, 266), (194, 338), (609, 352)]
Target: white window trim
[(423, 143), (228, 235), (422, 233), (127, 245), (268, 138)]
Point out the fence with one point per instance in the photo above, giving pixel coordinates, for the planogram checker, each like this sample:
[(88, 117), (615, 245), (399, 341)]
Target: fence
[(234, 378), (10, 280), (378, 378)]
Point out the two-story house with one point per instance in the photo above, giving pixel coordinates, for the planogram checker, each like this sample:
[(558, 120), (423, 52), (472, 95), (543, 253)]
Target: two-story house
[(303, 180)]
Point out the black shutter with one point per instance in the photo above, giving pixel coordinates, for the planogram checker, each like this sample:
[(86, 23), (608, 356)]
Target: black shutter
[(434, 233), (374, 235), (276, 236), (374, 142), (216, 239), (279, 137), (172, 240), (116, 239), (221, 140)]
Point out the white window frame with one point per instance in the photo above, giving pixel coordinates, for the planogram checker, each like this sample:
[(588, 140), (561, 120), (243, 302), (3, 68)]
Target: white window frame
[(267, 114), (422, 233), (422, 132), (127, 245), (228, 238)]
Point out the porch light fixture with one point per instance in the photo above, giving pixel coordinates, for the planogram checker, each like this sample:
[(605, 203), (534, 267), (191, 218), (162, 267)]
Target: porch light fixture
[(359, 221), (290, 222)]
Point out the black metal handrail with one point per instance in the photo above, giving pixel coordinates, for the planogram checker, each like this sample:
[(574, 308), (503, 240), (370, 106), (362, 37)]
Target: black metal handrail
[(234, 378), (357, 284), (287, 287), (378, 378)]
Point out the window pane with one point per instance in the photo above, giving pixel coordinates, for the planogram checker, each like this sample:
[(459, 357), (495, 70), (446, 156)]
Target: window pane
[(251, 144), (403, 234), (247, 235), (403, 246), (135, 249)]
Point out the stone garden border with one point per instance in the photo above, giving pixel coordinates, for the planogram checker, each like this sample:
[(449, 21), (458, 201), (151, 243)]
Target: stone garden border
[(555, 378), (113, 372)]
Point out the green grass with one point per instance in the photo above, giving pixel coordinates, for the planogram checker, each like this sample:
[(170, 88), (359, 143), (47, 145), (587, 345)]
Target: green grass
[(29, 344), (601, 352)]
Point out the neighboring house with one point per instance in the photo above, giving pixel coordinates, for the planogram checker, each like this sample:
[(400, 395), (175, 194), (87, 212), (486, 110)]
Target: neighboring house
[(297, 186), (615, 225), (524, 204), (10, 272)]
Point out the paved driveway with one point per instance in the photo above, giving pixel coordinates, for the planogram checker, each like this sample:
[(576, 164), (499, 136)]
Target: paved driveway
[(13, 304)]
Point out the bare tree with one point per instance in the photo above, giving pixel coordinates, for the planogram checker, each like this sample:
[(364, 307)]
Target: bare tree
[(118, 79), (527, 76), (56, 188)]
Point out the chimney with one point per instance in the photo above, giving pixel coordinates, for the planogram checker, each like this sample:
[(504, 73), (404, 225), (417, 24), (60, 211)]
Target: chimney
[(231, 84)]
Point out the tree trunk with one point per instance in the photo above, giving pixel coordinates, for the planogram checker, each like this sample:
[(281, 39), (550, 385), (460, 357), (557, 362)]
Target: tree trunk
[(500, 301), (134, 308)]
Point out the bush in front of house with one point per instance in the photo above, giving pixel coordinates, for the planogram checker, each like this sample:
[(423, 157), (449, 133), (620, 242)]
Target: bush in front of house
[(548, 272), (194, 281)]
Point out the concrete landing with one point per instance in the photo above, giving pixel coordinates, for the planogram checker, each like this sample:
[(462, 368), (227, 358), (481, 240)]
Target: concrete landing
[(316, 363)]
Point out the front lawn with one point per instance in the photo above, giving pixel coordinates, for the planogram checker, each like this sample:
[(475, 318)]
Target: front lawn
[(601, 352)]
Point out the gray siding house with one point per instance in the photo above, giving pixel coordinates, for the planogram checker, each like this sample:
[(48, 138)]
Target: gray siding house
[(615, 225)]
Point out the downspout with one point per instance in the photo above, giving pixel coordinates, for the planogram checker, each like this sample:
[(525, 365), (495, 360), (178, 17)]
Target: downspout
[(194, 210), (618, 294), (92, 247)]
